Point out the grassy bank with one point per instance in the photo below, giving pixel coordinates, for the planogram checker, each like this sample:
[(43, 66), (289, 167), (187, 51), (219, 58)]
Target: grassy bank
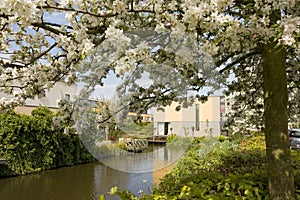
[(32, 143), (220, 169)]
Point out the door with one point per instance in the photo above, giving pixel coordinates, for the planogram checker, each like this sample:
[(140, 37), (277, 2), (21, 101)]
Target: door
[(163, 128), (166, 128), (160, 128)]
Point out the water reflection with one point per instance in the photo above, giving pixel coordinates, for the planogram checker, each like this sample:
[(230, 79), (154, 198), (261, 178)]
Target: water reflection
[(88, 181), (82, 182), (155, 159)]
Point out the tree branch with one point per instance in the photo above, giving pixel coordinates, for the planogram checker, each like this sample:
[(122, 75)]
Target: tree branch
[(42, 54), (48, 28), (227, 67), (57, 25), (4, 16)]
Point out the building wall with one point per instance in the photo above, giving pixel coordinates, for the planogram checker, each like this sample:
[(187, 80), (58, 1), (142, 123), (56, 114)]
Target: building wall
[(189, 114), (168, 113), (210, 110), (144, 117), (51, 98), (28, 109), (184, 123)]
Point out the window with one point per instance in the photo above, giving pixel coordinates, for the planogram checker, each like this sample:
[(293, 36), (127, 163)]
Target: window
[(67, 97), (43, 93), (197, 125)]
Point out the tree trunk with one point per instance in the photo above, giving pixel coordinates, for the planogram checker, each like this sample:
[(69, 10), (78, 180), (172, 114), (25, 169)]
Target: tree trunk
[(279, 165)]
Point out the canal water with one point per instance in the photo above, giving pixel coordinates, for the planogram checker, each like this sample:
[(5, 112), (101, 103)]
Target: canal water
[(82, 182), (89, 181)]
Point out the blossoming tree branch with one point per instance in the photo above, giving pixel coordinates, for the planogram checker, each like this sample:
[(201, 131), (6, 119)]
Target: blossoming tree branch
[(46, 41)]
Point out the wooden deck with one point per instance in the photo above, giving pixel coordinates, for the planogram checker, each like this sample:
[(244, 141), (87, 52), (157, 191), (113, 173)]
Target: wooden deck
[(156, 142), (134, 145), (157, 139)]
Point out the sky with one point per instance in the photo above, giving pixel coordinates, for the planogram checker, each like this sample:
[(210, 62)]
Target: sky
[(108, 90)]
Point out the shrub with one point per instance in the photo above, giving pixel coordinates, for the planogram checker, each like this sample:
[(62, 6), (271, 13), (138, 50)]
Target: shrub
[(217, 170), (171, 137), (31, 144), (213, 170), (121, 145), (222, 138)]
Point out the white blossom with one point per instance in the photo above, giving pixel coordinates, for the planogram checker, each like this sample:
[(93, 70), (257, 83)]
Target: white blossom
[(119, 6), (287, 39), (105, 32), (88, 46)]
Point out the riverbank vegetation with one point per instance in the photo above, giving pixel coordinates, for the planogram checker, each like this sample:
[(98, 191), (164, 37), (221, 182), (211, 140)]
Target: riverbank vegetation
[(32, 143), (219, 168)]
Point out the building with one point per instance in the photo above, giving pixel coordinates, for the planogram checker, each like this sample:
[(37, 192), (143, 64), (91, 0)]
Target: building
[(144, 117), (50, 98), (200, 119)]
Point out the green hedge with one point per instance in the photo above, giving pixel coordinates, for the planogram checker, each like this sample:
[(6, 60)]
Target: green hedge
[(221, 172), (231, 170), (218, 169), (30, 143)]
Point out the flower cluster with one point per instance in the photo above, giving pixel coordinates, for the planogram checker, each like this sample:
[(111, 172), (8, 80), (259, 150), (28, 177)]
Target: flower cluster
[(172, 43)]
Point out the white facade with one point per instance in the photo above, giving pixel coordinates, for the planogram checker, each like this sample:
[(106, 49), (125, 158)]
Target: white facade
[(50, 99), (200, 119)]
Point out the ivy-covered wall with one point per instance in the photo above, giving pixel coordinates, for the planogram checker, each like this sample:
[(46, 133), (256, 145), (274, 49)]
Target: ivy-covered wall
[(32, 143)]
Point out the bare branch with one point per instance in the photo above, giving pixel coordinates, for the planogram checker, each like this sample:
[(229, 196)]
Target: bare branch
[(57, 25), (227, 67), (48, 28), (42, 54)]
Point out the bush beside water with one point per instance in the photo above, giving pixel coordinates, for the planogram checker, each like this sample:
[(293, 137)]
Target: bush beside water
[(30, 143), (218, 168)]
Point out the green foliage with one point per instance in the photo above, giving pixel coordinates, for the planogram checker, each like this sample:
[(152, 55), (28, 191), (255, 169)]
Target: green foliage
[(254, 142), (117, 133), (296, 170), (171, 137), (236, 136), (215, 169), (124, 195), (198, 140), (222, 138), (121, 145), (138, 128), (174, 140), (31, 144)]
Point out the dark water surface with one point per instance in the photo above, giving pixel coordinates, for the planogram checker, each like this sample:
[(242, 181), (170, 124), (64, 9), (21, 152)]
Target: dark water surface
[(89, 181), (82, 182)]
